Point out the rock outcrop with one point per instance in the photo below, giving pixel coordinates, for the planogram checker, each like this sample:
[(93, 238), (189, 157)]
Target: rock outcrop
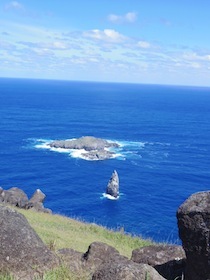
[(168, 260), (14, 196), (103, 262), (126, 270), (17, 197), (22, 252), (94, 148), (99, 253), (194, 230), (113, 185), (87, 143), (106, 263), (36, 202)]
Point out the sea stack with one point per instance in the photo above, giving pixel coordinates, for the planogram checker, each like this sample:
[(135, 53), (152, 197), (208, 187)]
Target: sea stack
[(113, 185)]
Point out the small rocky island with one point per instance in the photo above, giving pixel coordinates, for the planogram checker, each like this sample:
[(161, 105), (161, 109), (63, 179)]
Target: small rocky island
[(113, 185), (94, 148)]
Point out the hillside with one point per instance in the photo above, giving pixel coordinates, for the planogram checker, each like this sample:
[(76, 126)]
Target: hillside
[(61, 232)]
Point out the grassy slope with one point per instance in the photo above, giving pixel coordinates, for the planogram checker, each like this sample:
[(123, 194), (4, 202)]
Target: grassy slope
[(62, 232)]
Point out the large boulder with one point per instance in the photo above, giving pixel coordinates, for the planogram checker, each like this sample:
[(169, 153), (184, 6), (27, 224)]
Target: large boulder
[(113, 185), (14, 196), (36, 202), (168, 260), (99, 253), (104, 262), (194, 230), (87, 263), (22, 252), (119, 269), (37, 197)]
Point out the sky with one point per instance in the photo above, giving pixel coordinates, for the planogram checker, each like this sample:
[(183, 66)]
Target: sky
[(132, 41)]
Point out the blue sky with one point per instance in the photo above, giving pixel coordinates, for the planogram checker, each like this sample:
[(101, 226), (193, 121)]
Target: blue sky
[(140, 41)]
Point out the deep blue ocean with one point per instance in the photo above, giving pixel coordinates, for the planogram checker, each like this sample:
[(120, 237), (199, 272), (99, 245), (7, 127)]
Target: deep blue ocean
[(164, 157)]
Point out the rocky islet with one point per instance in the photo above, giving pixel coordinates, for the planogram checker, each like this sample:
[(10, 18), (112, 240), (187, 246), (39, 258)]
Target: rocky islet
[(93, 148)]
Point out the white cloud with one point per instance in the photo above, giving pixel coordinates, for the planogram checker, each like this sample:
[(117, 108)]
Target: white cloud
[(129, 17), (144, 44), (193, 56), (114, 18), (14, 5), (106, 35), (195, 65), (56, 45)]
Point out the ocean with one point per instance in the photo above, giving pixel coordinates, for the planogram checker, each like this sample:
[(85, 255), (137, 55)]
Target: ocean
[(163, 158)]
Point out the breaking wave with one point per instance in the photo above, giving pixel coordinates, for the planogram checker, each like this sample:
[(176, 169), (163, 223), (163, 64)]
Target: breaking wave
[(108, 196)]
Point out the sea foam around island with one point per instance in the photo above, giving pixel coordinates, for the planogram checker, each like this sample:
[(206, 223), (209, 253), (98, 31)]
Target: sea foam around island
[(125, 149)]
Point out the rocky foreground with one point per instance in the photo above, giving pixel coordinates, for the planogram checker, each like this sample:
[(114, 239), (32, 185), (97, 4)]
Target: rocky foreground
[(23, 254), (94, 148)]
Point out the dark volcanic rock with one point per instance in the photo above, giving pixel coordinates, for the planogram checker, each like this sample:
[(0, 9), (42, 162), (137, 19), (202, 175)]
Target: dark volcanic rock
[(37, 197), (15, 197), (36, 202), (98, 155), (126, 270), (22, 252), (99, 252), (113, 185), (168, 260), (105, 263), (194, 230)]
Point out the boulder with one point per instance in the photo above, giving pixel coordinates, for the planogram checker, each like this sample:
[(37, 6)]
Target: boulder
[(194, 230), (87, 263), (126, 270), (36, 202), (113, 185), (99, 252), (22, 252), (168, 260), (37, 197), (14, 196), (104, 262)]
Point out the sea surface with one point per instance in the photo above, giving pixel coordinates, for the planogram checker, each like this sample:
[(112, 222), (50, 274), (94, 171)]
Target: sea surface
[(163, 158)]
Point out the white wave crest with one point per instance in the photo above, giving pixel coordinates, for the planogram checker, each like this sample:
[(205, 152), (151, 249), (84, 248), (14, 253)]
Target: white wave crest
[(108, 196)]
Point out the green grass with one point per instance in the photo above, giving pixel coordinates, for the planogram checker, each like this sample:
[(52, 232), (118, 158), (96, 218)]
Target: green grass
[(63, 273), (6, 277), (61, 232)]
